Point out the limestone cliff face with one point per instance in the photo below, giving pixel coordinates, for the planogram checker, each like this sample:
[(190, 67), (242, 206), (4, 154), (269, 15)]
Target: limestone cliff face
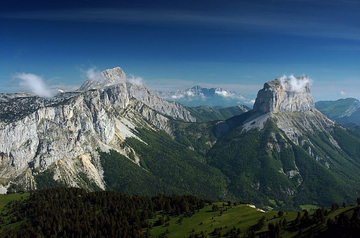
[(288, 101), (297, 141), (288, 104), (64, 132), (286, 94)]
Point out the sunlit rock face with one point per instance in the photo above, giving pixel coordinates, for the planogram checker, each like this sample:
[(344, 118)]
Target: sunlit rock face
[(286, 94), (63, 133)]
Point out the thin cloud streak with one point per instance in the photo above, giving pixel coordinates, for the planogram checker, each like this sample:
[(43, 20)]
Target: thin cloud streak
[(290, 23)]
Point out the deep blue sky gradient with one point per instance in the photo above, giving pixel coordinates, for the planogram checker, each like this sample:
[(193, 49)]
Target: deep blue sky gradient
[(237, 45)]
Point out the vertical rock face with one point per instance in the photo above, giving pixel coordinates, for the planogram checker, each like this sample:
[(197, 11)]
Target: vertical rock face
[(64, 132), (286, 94)]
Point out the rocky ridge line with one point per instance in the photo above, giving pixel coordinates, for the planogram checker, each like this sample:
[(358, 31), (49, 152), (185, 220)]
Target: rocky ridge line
[(64, 132)]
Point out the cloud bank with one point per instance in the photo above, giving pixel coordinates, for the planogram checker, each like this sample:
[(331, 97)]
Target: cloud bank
[(225, 94), (34, 84)]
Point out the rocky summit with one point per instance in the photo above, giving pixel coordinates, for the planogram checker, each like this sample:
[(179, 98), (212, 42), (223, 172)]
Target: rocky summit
[(280, 99), (285, 94), (285, 149), (104, 79), (64, 132)]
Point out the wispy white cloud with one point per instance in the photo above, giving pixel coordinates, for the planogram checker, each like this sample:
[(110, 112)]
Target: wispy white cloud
[(295, 23), (93, 74), (34, 84), (225, 94), (135, 80)]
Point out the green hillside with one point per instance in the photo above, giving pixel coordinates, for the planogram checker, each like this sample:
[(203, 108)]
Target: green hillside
[(166, 167), (255, 162), (73, 212), (246, 221), (252, 166), (219, 161)]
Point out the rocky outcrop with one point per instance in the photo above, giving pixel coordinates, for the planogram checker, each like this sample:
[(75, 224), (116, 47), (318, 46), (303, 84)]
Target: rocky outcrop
[(288, 102), (286, 94), (63, 133)]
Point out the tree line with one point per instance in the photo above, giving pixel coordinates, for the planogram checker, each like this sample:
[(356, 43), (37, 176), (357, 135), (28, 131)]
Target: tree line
[(73, 212)]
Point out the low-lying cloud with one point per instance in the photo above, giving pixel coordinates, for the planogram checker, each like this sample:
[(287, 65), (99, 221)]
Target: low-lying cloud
[(225, 94), (34, 84), (293, 84)]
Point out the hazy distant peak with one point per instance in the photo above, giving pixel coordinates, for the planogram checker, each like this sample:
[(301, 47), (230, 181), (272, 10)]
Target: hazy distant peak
[(198, 96)]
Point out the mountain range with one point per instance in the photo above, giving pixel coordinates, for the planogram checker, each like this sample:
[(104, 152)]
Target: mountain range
[(112, 134), (346, 112), (212, 97)]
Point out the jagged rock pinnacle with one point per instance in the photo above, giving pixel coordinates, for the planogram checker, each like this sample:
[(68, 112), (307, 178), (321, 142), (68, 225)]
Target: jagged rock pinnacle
[(285, 94)]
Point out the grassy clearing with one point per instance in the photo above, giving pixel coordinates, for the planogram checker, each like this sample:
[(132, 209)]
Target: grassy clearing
[(205, 221), (240, 216), (6, 198), (309, 207)]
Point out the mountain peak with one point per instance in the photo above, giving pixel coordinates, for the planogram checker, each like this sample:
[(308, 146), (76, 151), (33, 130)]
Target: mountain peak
[(114, 74), (285, 94), (103, 79)]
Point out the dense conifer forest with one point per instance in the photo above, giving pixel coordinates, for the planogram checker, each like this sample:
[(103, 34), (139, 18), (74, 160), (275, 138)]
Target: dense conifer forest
[(74, 212)]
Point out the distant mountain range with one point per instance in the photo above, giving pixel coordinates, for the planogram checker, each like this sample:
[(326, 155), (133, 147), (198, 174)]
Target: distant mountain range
[(112, 134), (198, 96), (344, 111)]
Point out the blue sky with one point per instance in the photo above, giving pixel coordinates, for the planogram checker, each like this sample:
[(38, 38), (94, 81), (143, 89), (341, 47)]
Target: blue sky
[(237, 45)]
